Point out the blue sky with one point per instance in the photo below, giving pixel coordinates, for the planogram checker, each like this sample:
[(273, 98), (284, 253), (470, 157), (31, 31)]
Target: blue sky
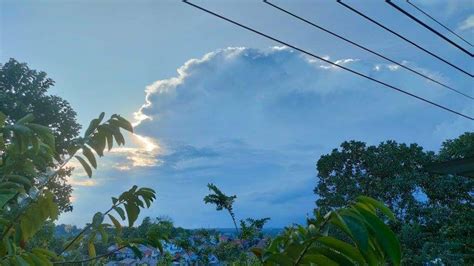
[(214, 103)]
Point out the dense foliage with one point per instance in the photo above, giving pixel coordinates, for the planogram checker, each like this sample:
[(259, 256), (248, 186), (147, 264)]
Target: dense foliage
[(24, 91), (435, 212)]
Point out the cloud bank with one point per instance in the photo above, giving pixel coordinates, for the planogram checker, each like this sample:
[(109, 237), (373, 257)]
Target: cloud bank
[(254, 123)]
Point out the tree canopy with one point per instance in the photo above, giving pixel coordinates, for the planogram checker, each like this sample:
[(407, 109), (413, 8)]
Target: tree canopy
[(434, 211), (25, 91)]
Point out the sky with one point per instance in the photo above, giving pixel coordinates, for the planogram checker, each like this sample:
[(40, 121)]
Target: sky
[(214, 103)]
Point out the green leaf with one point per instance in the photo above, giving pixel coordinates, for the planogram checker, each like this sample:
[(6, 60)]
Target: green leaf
[(35, 145), (45, 133), (386, 237), (89, 155), (9, 185), (120, 212), (319, 260), (98, 142), (348, 250), (280, 259), (123, 123), (377, 204), (332, 254), (294, 250), (91, 249), (26, 119), (19, 179), (93, 125), (110, 140), (132, 213), (34, 217), (101, 117), (86, 166), (97, 219), (45, 252), (116, 223), (119, 138), (103, 234), (357, 230), (136, 251), (5, 196), (3, 118), (20, 261)]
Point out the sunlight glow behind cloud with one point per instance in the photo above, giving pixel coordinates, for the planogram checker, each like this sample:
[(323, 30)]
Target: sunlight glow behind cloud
[(255, 122)]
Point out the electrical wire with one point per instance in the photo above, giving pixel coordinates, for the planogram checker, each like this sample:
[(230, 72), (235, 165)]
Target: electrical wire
[(403, 38), (439, 23), (366, 49), (327, 61), (397, 7)]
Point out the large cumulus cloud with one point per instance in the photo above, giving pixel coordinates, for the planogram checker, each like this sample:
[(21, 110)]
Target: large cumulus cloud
[(255, 122)]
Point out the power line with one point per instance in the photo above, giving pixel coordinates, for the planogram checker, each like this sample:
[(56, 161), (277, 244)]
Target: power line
[(403, 38), (327, 61), (366, 49), (428, 27), (437, 21)]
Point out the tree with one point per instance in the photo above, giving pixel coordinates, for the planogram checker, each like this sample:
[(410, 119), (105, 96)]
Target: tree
[(434, 212), (222, 202), (24, 91), (448, 230), (389, 172)]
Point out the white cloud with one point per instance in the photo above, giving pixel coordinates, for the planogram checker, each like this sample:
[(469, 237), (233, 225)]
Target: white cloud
[(468, 23), (255, 122)]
